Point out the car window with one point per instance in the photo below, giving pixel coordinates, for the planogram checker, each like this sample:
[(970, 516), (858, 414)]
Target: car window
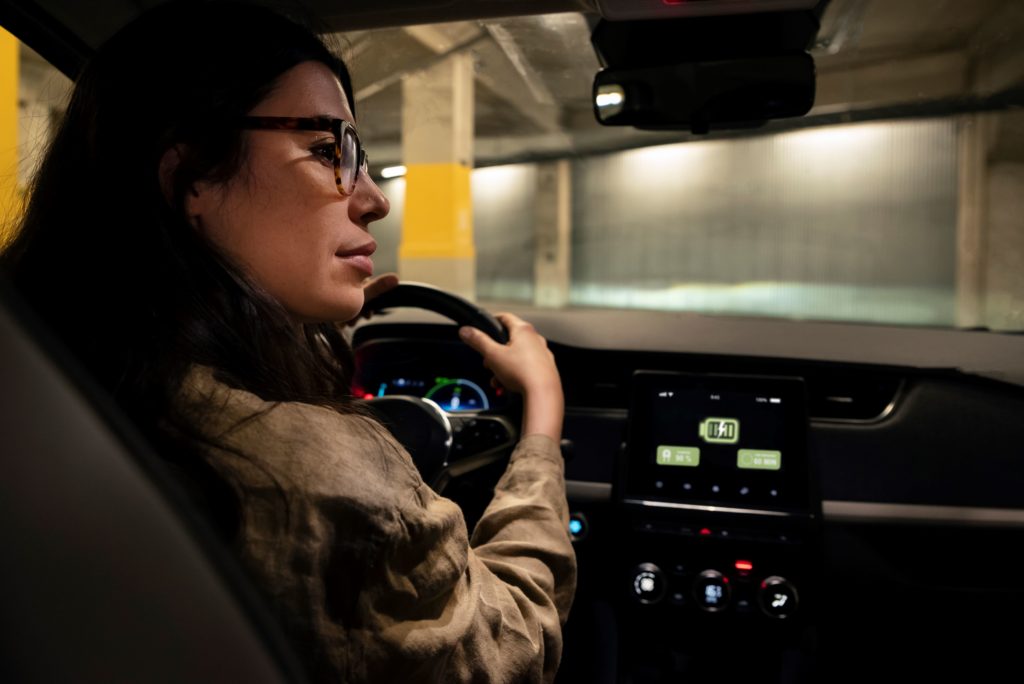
[(895, 200), (33, 96)]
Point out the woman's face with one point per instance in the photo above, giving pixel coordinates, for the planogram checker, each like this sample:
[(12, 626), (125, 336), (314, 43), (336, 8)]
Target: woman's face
[(282, 219)]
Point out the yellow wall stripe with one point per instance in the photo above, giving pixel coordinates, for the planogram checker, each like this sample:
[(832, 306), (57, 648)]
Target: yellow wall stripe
[(437, 220)]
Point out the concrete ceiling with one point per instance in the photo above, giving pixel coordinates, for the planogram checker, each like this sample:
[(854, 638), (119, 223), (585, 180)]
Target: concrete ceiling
[(534, 73)]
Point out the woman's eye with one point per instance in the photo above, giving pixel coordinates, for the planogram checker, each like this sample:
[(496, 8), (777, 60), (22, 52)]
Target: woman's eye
[(325, 152)]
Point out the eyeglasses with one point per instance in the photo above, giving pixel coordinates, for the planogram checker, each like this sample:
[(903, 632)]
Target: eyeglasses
[(349, 155)]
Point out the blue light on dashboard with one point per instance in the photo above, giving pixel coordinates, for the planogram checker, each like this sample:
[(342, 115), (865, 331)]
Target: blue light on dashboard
[(383, 386), (577, 526)]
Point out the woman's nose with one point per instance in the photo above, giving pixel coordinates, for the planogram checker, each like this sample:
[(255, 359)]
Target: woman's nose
[(368, 203)]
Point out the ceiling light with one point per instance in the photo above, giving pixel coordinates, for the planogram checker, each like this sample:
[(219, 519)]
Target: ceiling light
[(392, 171)]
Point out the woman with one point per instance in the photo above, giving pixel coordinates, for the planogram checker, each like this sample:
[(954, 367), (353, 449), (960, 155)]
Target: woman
[(196, 233)]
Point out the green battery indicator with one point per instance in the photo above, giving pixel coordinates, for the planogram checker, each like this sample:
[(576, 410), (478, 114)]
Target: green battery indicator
[(720, 430)]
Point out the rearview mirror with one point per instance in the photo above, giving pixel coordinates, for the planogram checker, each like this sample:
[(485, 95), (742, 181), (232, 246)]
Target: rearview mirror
[(702, 95)]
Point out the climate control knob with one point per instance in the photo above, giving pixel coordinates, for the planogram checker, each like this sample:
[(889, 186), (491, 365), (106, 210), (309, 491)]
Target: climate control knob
[(711, 590), (777, 597), (648, 583)]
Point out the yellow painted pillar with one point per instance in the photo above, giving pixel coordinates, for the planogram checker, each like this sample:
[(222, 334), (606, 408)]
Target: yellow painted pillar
[(437, 151), (10, 197)]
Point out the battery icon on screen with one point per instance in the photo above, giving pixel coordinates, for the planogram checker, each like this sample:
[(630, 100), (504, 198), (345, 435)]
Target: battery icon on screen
[(720, 430)]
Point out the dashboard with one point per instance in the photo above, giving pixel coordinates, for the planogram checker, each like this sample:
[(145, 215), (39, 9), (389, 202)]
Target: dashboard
[(778, 507)]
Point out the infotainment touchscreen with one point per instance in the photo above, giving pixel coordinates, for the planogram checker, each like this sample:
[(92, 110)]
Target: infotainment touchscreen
[(736, 441)]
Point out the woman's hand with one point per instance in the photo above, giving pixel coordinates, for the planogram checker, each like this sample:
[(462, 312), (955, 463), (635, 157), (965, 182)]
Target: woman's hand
[(374, 287), (526, 366)]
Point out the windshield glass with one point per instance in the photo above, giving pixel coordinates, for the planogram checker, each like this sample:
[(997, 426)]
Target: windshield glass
[(895, 200)]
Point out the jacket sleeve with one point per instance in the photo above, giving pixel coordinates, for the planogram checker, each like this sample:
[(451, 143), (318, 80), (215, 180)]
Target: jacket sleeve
[(372, 574), (490, 610)]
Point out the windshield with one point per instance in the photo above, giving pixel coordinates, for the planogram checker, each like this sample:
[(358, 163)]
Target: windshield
[(896, 200)]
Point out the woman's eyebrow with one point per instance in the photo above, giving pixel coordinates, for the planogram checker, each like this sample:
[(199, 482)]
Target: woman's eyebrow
[(344, 116)]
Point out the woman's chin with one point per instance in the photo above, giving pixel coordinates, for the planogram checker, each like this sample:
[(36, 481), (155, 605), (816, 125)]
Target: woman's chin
[(330, 311)]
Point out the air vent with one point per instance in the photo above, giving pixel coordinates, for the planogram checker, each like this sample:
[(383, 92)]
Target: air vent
[(861, 397)]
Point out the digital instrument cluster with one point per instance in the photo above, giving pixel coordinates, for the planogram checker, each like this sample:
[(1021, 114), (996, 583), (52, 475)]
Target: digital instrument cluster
[(444, 370), (452, 394)]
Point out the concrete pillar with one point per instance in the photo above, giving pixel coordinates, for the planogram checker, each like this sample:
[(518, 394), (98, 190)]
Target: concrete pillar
[(1004, 237), (972, 181), (10, 198), (1004, 275), (553, 230), (437, 151)]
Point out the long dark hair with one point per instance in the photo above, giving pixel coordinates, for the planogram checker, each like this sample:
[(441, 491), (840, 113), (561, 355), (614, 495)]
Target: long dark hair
[(105, 252), (112, 262)]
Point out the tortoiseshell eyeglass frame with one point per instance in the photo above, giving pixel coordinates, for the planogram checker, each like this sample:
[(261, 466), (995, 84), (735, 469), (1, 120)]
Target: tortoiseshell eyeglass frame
[(339, 127)]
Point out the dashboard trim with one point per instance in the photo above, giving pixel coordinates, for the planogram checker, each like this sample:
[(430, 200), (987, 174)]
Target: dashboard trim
[(708, 509), (844, 511), (897, 397), (968, 516)]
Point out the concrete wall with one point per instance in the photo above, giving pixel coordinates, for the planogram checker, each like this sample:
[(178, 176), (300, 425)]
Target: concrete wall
[(852, 222)]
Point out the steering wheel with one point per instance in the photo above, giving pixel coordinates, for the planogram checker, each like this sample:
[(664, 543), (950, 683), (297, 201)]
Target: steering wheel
[(443, 445)]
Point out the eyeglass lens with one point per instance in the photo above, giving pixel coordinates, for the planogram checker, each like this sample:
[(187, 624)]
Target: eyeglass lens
[(349, 161)]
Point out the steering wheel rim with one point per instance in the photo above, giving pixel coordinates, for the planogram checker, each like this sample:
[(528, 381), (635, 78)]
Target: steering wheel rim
[(423, 296)]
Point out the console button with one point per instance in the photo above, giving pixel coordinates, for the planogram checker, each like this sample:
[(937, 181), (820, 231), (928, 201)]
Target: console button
[(777, 597), (578, 526), (648, 583), (711, 591)]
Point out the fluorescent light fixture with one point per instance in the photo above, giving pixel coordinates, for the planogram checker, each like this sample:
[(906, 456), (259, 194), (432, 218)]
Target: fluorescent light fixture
[(392, 171)]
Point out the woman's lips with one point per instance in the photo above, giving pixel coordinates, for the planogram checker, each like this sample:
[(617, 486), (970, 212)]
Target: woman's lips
[(361, 262), (359, 257)]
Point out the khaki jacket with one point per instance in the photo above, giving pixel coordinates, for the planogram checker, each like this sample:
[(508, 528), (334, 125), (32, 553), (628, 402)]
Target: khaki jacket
[(372, 574)]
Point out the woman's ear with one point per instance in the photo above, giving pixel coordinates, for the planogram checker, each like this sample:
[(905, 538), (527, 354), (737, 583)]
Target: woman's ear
[(168, 165)]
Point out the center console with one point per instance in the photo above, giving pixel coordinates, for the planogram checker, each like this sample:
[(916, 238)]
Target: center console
[(719, 529)]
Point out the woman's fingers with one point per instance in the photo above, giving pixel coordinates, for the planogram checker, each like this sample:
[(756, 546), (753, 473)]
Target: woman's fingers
[(514, 324), (524, 363), (479, 340), (378, 285), (374, 287)]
